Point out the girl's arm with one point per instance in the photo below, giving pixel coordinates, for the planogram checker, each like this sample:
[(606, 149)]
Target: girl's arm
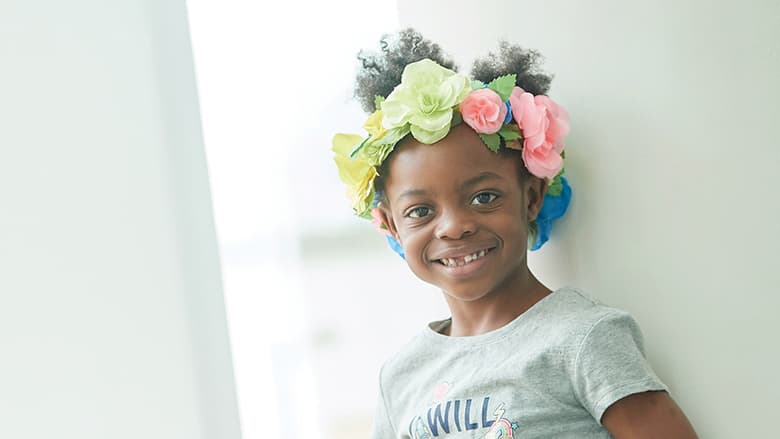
[(647, 415)]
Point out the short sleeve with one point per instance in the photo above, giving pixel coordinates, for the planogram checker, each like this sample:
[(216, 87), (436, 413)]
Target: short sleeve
[(382, 427), (610, 364)]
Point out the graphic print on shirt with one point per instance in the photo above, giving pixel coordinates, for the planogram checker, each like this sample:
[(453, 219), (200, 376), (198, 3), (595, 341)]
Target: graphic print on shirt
[(458, 415), (502, 428)]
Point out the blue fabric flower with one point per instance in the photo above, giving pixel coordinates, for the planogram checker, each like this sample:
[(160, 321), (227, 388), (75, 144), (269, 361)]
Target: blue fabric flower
[(396, 246), (508, 117), (553, 207)]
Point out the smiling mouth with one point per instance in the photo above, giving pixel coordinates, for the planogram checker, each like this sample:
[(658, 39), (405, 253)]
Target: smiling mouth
[(463, 260)]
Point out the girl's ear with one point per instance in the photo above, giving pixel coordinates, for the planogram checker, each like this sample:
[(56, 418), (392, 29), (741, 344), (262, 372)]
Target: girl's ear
[(534, 191), (387, 219)]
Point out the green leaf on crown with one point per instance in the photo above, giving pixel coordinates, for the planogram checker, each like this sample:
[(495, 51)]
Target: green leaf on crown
[(493, 141), (503, 85), (476, 85), (457, 118), (556, 185), (378, 99), (509, 132)]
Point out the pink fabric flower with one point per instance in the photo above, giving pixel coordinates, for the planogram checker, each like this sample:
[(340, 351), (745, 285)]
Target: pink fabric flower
[(543, 124), (376, 219), (483, 111)]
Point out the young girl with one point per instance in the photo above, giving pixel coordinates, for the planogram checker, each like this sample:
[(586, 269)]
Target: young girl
[(463, 175)]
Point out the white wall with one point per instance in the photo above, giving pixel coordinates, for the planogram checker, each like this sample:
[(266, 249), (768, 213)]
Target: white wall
[(111, 312), (673, 156)]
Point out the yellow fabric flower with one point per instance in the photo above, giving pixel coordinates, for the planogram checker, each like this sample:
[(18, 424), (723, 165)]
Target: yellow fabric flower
[(357, 173), (374, 125)]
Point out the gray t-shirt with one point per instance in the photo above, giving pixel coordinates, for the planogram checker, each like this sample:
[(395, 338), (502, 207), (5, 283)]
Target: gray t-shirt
[(551, 372)]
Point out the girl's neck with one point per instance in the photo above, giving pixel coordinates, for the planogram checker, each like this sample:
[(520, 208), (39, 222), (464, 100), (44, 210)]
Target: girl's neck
[(496, 309)]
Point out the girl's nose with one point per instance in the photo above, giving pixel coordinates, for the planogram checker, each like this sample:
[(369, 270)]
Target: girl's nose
[(455, 224)]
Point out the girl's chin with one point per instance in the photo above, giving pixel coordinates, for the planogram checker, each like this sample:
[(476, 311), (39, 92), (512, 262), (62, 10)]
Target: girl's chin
[(466, 295)]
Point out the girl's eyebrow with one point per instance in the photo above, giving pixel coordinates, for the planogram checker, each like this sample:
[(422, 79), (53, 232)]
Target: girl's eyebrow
[(487, 175), (411, 193)]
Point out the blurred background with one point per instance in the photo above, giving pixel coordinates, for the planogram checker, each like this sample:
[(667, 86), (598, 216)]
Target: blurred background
[(178, 258)]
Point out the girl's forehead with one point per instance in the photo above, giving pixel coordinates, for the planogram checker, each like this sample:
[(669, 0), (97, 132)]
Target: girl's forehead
[(458, 158)]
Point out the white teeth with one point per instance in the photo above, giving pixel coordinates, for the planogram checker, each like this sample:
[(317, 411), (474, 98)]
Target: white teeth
[(457, 262)]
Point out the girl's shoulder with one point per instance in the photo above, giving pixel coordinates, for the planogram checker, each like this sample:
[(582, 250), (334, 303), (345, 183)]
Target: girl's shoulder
[(573, 314), (575, 304)]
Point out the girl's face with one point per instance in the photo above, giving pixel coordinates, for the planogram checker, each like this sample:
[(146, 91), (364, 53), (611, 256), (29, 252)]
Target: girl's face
[(461, 213)]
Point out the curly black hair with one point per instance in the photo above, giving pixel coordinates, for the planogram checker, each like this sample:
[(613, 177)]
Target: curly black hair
[(513, 59), (380, 71)]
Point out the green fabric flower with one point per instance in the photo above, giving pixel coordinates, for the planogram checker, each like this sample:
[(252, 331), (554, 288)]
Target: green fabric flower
[(375, 151), (425, 100), (380, 141)]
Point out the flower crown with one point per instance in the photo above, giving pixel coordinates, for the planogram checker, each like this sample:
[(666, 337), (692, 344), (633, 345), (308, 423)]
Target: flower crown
[(424, 105)]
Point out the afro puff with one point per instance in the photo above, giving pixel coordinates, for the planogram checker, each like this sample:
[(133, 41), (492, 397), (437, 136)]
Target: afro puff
[(513, 59), (380, 71)]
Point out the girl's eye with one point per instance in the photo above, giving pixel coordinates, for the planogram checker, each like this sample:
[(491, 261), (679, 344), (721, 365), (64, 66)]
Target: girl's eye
[(419, 212), (484, 198)]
